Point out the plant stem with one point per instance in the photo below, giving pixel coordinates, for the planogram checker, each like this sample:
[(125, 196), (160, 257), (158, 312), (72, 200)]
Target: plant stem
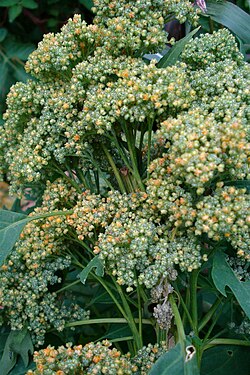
[(103, 321), (131, 147), (226, 342), (115, 170), (178, 322), (68, 286), (193, 300), (209, 314), (130, 318), (150, 127), (139, 311)]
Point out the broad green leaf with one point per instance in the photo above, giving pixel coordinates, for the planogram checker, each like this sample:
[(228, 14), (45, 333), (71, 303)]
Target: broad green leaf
[(11, 226), (175, 362), (17, 49), (22, 345), (30, 4), (17, 343), (174, 53), (225, 360), (97, 263), (9, 356), (231, 16), (223, 275), (8, 3), (14, 12), (21, 369), (3, 33), (4, 75), (87, 3)]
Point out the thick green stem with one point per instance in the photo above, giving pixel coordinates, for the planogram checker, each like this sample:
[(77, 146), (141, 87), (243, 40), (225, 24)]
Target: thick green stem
[(131, 320), (132, 151), (103, 321), (193, 300), (226, 342), (150, 127), (115, 170), (178, 322), (139, 311), (209, 314)]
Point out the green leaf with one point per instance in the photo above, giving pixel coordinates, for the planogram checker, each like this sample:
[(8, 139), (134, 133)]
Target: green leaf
[(4, 75), (225, 359), (30, 4), (94, 263), (223, 275), (14, 12), (87, 4), (231, 16), (22, 345), (3, 33), (117, 331), (8, 3), (17, 49), (11, 226), (174, 53), (17, 343), (175, 362), (20, 74), (20, 369)]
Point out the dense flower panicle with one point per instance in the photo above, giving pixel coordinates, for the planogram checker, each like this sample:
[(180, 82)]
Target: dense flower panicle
[(199, 148), (91, 359), (207, 49), (35, 265), (93, 213), (140, 94), (57, 54), (225, 214), (95, 358), (223, 89), (137, 251)]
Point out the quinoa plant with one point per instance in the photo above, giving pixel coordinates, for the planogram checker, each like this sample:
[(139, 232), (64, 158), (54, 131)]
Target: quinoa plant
[(143, 219)]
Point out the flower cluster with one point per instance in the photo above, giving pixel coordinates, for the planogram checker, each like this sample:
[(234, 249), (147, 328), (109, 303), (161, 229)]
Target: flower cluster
[(199, 148), (137, 251), (93, 213), (136, 27), (225, 214), (207, 49), (96, 358), (36, 267), (91, 358)]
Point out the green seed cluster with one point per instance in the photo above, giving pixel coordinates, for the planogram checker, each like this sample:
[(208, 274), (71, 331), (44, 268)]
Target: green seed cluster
[(37, 264), (207, 49), (137, 251), (241, 268), (91, 358), (225, 214), (95, 358), (147, 356), (201, 148), (92, 213), (136, 27)]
